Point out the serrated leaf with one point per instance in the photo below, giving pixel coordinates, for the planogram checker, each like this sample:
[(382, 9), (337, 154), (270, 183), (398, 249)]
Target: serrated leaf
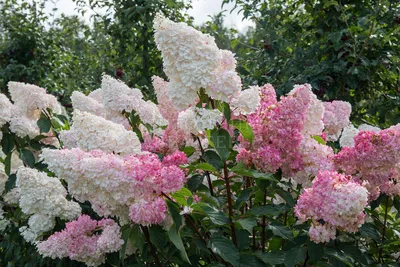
[(7, 164), (44, 125), (27, 157), (273, 258), (203, 166), (174, 211), (368, 230), (176, 239), (248, 260), (244, 195), (212, 158), (268, 210), (244, 128), (194, 182), (222, 143), (354, 252), (226, 110), (7, 143), (224, 247), (339, 256), (281, 230), (10, 184), (286, 196), (315, 251), (216, 216), (247, 224), (294, 256), (188, 150)]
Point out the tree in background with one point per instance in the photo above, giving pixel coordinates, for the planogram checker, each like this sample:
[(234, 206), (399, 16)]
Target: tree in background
[(345, 49)]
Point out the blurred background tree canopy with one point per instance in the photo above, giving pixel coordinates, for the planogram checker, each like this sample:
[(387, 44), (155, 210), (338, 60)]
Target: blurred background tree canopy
[(347, 49)]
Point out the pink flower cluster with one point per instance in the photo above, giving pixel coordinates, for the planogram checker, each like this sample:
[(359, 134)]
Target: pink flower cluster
[(334, 202), (148, 212), (336, 117), (283, 134), (373, 160), (84, 240), (113, 183)]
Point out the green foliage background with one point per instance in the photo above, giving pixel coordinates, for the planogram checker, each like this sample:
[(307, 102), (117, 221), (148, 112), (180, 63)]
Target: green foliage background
[(346, 49)]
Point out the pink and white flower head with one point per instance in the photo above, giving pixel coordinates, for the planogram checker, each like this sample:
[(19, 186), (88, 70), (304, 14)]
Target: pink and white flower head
[(334, 202), (336, 117), (84, 240)]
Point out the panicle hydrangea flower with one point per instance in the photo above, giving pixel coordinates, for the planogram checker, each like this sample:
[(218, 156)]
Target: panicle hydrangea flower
[(3, 178), (85, 103), (336, 117), (90, 132), (165, 105), (112, 183), (313, 124), (373, 156), (246, 102), (84, 240), (29, 98), (44, 198), (118, 97), (280, 128), (316, 157), (196, 120), (367, 127), (347, 137), (24, 126), (193, 61), (5, 110), (333, 203), (148, 212)]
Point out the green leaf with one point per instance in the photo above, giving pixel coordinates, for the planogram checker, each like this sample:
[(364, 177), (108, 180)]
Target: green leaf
[(247, 224), (354, 252), (212, 158), (315, 251), (216, 216), (174, 211), (226, 110), (368, 230), (273, 258), (294, 256), (244, 128), (27, 157), (136, 238), (44, 125), (222, 142), (181, 196), (127, 231), (281, 230), (243, 239), (339, 256), (7, 164), (268, 210), (176, 239), (244, 195), (224, 247), (248, 260), (286, 196), (319, 139), (188, 150), (10, 184), (194, 182), (330, 3), (203, 166), (7, 143)]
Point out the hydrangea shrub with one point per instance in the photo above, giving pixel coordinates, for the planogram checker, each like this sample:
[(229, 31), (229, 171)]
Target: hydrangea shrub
[(211, 175)]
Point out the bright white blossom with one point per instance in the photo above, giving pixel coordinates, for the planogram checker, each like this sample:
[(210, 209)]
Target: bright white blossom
[(196, 120), (90, 132), (246, 102), (44, 198)]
